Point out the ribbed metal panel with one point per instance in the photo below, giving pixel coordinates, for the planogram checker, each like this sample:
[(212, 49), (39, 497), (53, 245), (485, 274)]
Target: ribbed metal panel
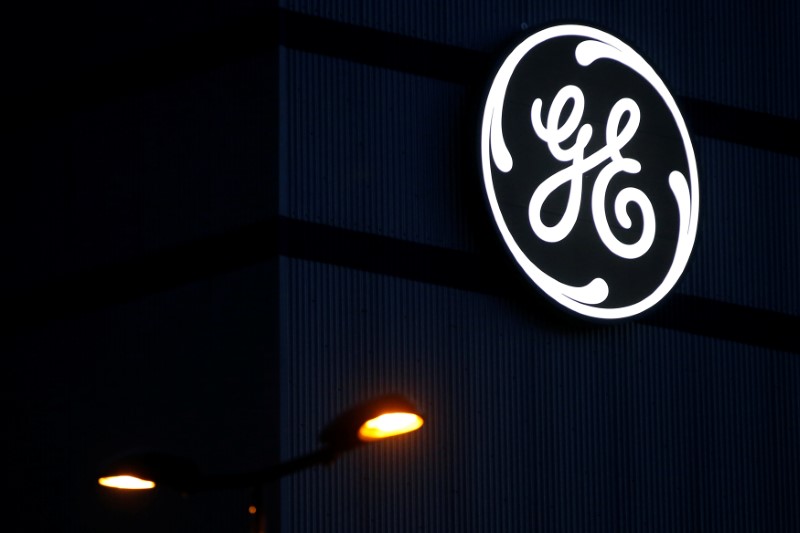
[(626, 428), (733, 53), (374, 150), (748, 246)]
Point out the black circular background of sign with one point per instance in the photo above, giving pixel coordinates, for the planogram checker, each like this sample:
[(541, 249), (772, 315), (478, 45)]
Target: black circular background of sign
[(657, 145)]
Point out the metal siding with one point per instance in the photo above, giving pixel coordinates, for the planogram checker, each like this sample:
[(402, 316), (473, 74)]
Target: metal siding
[(735, 53), (374, 150), (626, 428), (748, 246)]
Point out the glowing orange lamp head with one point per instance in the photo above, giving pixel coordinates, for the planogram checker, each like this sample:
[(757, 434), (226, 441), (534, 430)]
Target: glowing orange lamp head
[(128, 482), (389, 424), (380, 418), (147, 470)]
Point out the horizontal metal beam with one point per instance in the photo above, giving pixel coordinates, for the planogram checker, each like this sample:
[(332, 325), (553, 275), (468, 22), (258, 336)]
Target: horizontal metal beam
[(485, 272)]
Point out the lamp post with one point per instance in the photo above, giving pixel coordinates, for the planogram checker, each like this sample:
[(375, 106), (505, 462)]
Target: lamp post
[(374, 420)]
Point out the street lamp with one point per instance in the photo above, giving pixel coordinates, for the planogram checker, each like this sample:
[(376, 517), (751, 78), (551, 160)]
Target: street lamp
[(380, 418)]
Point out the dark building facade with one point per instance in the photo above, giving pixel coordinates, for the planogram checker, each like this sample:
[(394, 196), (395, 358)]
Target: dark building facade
[(227, 224)]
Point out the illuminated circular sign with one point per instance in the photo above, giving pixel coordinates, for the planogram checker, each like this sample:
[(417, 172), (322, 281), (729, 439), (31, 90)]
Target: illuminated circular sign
[(589, 172)]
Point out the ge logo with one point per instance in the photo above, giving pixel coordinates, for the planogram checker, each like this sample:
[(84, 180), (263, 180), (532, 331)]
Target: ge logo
[(589, 172)]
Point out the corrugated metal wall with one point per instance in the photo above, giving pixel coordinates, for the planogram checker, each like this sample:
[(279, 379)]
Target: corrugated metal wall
[(374, 150), (534, 425), (627, 428), (747, 245), (730, 53)]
